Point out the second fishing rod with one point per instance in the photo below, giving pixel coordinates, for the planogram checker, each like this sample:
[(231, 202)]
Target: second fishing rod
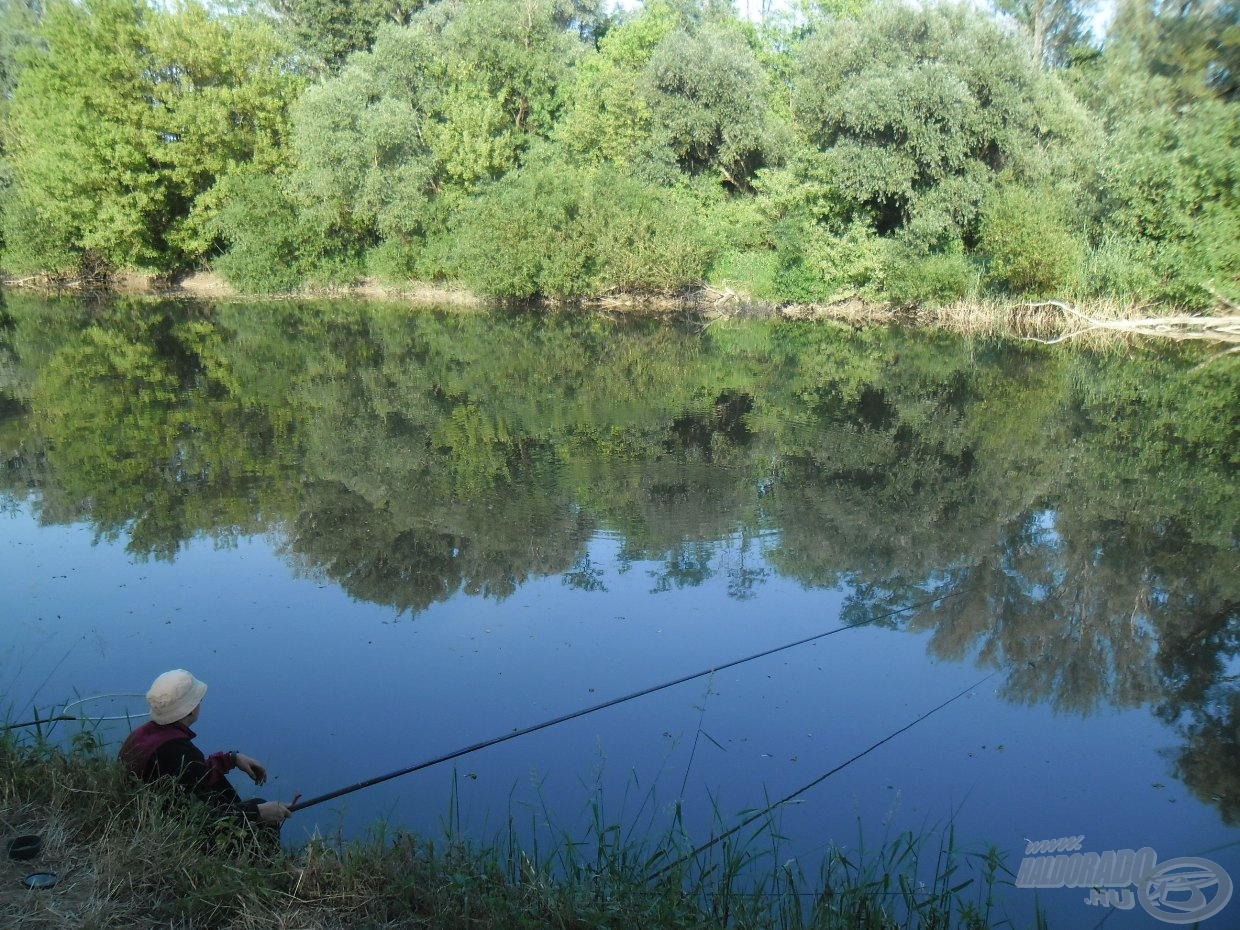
[(594, 708)]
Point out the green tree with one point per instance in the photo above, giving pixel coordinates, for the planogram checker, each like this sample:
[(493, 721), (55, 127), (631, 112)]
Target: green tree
[(710, 105), (497, 66), (433, 112), (19, 20), (607, 117), (1171, 191), (677, 91), (88, 185), (917, 111), (224, 88), (124, 120), (332, 30), (1190, 49)]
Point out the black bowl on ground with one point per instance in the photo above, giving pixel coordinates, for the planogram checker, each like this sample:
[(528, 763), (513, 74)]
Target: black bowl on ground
[(25, 847)]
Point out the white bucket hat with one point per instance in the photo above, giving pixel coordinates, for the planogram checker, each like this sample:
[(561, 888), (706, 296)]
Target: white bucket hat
[(174, 695)]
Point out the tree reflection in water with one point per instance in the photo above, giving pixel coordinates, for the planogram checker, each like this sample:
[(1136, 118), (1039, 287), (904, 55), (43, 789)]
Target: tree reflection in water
[(1079, 505)]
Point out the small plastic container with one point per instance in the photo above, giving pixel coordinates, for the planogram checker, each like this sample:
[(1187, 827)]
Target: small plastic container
[(25, 847)]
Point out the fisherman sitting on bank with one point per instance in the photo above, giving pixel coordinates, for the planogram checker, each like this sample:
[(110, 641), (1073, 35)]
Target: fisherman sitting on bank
[(164, 746)]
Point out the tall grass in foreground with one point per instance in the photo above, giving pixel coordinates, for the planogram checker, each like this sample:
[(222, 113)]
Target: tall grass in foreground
[(135, 857)]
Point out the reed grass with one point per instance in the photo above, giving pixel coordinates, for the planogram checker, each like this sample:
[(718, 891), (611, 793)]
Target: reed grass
[(135, 856)]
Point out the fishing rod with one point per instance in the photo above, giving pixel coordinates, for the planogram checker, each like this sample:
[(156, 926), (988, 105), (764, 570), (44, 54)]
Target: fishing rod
[(56, 718), (817, 781), (564, 718), (39, 721)]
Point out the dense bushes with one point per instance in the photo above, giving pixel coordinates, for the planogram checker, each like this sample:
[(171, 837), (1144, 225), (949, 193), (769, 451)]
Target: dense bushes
[(939, 278), (816, 264), (1172, 195), (260, 223), (567, 232), (1025, 242), (535, 148)]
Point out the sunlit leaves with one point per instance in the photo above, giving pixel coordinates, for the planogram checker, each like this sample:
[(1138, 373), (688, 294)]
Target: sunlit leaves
[(560, 230), (675, 92), (124, 120), (709, 103), (85, 136)]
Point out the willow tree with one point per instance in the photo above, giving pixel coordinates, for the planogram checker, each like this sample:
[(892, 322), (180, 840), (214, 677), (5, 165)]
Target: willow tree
[(19, 21), (1191, 49), (332, 30), (607, 117), (1055, 28), (710, 100), (918, 111), (677, 92), (434, 111), (912, 119)]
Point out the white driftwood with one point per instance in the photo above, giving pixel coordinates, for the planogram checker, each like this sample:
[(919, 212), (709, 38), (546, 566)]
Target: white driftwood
[(1224, 329)]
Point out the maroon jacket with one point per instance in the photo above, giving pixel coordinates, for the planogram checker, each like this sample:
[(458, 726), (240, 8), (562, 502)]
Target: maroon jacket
[(154, 750)]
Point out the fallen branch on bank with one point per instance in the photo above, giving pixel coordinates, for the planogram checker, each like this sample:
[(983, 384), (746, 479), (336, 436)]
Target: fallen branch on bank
[(1224, 329)]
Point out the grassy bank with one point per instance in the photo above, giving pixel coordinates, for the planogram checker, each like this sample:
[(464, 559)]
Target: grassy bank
[(132, 857)]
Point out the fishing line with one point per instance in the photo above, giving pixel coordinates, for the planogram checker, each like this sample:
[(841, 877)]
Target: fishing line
[(817, 781), (564, 718), (697, 736), (55, 668), (1214, 849)]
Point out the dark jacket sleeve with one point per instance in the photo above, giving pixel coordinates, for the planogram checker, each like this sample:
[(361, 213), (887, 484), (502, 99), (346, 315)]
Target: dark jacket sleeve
[(185, 762)]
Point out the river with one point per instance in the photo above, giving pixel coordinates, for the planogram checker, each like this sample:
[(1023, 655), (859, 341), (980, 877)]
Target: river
[(380, 534)]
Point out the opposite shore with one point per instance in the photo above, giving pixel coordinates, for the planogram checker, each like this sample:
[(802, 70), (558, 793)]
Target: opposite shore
[(1047, 321)]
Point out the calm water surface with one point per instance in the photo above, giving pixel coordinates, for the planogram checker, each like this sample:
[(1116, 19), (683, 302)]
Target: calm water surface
[(380, 535)]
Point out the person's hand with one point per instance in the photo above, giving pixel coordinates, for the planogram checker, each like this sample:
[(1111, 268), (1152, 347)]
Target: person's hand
[(253, 768), (274, 812)]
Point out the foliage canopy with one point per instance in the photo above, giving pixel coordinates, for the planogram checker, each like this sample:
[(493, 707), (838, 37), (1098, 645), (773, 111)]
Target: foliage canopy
[(871, 149)]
